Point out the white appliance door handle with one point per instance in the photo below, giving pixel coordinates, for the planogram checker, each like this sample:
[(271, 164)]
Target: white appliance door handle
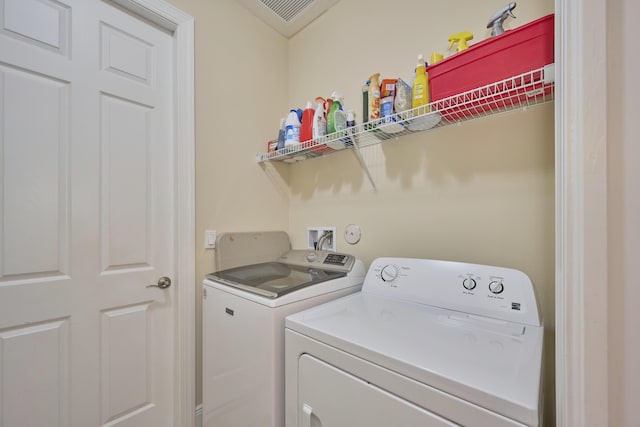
[(306, 415)]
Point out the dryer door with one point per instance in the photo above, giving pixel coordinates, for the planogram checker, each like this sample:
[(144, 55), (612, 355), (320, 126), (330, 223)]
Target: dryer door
[(330, 397)]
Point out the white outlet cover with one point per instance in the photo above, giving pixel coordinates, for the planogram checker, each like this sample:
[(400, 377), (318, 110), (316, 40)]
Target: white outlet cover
[(210, 239), (352, 234)]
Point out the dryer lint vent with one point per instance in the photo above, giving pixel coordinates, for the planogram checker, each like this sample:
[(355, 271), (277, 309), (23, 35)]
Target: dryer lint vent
[(287, 9)]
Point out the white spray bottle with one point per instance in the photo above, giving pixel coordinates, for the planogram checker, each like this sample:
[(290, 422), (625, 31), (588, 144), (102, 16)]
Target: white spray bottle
[(319, 127)]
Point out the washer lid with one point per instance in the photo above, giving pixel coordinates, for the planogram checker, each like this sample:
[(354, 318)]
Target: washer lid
[(273, 279), (492, 363)]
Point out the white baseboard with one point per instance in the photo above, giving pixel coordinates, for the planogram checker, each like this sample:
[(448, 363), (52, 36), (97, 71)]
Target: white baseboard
[(199, 415)]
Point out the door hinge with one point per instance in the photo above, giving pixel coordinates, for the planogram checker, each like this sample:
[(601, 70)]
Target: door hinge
[(204, 293)]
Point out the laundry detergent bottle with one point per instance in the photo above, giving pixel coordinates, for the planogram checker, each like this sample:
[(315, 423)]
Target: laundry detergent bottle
[(420, 88), (292, 129), (307, 123)]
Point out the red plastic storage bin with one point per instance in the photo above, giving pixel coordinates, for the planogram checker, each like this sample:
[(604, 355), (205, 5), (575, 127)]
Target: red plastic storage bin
[(521, 50)]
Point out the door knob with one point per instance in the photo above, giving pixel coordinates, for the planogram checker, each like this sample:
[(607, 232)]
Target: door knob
[(163, 283)]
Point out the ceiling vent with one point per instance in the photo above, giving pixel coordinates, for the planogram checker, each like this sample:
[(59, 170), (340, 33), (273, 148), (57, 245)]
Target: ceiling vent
[(288, 16), (287, 10)]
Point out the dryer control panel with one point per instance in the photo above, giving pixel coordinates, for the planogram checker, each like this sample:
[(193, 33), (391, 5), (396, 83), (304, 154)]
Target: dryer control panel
[(474, 289)]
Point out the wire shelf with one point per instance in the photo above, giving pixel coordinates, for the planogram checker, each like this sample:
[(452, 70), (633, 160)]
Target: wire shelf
[(532, 88)]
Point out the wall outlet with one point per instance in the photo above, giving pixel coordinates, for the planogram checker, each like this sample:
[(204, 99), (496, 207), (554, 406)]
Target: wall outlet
[(314, 233)]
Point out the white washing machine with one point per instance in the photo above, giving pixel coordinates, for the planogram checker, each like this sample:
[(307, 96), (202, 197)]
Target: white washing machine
[(243, 330), (426, 343)]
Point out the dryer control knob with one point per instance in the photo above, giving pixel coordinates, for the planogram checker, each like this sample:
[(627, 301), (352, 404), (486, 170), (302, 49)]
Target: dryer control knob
[(389, 273), (469, 283), (312, 256), (496, 287)]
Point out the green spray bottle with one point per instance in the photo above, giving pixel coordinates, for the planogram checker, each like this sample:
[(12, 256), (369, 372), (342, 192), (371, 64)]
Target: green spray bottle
[(337, 120)]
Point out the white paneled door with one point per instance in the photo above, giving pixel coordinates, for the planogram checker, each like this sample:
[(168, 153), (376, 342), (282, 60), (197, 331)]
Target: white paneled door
[(86, 216)]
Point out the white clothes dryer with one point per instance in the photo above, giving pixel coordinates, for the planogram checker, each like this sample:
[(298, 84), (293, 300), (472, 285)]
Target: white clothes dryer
[(243, 330), (425, 343)]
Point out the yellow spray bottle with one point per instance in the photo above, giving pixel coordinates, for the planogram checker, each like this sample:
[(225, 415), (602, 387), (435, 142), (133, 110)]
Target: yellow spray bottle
[(461, 40), (420, 88)]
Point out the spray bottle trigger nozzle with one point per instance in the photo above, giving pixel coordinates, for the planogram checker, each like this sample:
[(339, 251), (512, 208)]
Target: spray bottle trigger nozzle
[(461, 39), (495, 22)]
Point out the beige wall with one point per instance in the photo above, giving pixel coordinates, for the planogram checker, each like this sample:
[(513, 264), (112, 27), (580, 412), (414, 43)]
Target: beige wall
[(480, 192), (240, 86), (624, 212)]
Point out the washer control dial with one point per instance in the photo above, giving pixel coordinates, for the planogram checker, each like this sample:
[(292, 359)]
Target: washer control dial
[(496, 287), (312, 256), (389, 273), (469, 283)]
